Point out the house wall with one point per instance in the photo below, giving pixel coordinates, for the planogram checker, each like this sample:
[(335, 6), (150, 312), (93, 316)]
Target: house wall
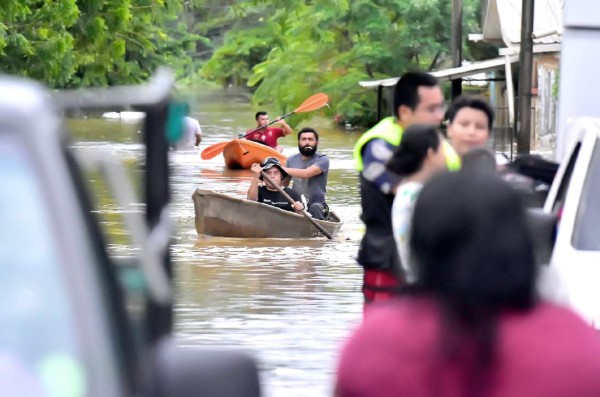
[(543, 108), (545, 105)]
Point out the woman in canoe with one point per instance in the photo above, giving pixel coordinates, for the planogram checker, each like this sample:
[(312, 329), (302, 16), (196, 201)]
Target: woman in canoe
[(269, 194)]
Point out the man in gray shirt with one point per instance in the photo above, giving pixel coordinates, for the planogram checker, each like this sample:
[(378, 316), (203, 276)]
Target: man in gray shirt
[(309, 171)]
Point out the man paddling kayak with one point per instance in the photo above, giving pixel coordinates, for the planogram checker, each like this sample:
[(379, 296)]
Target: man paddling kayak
[(269, 135)]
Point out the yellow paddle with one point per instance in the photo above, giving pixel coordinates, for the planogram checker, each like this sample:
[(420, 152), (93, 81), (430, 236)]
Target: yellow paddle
[(314, 102)]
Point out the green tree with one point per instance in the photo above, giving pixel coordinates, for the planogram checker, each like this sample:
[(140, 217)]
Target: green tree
[(68, 43), (249, 38), (123, 41), (35, 40), (330, 46)]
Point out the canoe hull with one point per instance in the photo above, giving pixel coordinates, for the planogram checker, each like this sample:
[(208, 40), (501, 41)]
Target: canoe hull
[(242, 153), (217, 214)]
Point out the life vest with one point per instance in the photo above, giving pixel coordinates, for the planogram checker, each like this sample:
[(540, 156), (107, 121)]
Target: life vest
[(389, 130), (452, 158)]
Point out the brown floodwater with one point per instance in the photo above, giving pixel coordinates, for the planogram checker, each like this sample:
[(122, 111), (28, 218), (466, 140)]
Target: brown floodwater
[(288, 302)]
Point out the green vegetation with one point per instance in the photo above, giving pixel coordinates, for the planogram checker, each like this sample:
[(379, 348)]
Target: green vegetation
[(69, 43), (288, 49), (283, 50)]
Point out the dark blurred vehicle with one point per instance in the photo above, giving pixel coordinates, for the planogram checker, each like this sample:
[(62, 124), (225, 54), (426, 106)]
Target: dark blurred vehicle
[(74, 322)]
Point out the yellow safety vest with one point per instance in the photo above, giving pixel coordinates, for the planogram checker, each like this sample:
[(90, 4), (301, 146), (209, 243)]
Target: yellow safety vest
[(389, 130)]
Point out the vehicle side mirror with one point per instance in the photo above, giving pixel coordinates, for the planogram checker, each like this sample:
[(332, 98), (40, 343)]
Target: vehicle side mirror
[(184, 371), (542, 227)]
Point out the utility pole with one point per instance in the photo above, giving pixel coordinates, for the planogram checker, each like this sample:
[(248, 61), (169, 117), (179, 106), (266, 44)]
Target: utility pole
[(456, 44), (525, 72)]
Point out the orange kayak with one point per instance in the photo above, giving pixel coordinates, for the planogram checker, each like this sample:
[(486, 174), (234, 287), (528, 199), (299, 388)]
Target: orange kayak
[(242, 153)]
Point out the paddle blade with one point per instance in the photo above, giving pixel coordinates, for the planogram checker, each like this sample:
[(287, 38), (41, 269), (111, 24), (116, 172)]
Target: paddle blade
[(313, 103), (213, 150)]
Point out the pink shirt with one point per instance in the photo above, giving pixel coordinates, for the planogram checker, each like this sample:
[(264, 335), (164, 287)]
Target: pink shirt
[(545, 352), (267, 135)]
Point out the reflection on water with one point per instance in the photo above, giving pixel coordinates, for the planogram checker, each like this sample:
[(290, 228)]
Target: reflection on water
[(287, 302)]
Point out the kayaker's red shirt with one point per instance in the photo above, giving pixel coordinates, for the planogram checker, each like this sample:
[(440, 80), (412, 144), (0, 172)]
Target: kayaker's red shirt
[(545, 352), (268, 135)]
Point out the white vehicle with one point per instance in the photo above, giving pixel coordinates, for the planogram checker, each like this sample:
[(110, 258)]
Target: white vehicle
[(573, 273)]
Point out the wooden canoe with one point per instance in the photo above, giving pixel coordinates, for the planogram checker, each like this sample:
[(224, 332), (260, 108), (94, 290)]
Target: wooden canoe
[(221, 215), (242, 153)]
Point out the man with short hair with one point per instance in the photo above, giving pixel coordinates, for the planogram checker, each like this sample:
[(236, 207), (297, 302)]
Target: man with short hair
[(192, 133), (309, 170), (269, 135), (418, 99)]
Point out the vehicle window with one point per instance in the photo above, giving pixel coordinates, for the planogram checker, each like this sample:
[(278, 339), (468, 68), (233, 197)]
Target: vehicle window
[(564, 183), (586, 233), (39, 348)]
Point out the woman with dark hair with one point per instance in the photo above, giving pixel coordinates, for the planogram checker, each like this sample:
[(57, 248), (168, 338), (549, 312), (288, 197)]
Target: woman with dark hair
[(470, 121), (419, 156), (472, 324)]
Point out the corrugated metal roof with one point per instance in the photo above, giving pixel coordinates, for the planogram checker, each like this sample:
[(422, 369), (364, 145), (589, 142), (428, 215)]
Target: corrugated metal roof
[(452, 73), (502, 21)]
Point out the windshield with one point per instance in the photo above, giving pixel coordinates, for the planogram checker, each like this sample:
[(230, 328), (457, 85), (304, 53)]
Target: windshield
[(39, 347), (586, 234)]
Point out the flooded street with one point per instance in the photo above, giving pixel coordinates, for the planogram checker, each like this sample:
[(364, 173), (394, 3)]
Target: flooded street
[(287, 302)]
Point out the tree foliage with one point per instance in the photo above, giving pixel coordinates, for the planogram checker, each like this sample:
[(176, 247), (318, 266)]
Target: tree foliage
[(283, 50), (35, 39), (302, 47), (69, 43)]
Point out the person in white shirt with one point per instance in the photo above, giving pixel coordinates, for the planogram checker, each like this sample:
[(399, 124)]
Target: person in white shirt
[(192, 134), (419, 156)]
